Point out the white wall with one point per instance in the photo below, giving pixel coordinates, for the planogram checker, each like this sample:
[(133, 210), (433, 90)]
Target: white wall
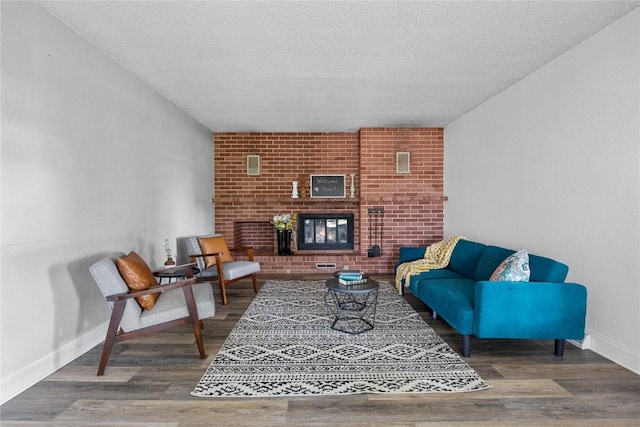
[(93, 161), (552, 164)]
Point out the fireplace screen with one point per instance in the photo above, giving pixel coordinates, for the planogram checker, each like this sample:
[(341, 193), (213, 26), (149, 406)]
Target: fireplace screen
[(325, 231)]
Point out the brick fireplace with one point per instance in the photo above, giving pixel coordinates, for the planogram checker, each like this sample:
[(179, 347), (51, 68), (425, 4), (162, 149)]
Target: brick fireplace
[(413, 202)]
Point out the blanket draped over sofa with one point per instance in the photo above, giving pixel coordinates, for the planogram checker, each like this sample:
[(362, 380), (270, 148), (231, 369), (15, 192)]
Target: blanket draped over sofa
[(436, 255)]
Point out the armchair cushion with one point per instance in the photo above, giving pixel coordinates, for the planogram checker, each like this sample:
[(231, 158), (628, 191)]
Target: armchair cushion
[(211, 245), (236, 269), (172, 305), (138, 277)]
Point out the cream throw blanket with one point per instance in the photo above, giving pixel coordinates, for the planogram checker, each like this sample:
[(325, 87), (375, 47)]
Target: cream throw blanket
[(436, 256)]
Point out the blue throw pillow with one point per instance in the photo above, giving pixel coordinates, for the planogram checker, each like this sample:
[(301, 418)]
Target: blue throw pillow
[(513, 269)]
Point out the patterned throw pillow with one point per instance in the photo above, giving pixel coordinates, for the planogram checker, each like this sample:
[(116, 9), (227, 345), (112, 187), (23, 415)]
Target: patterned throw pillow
[(513, 269)]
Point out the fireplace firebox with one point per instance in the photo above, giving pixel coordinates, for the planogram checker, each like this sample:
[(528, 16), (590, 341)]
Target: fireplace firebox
[(325, 231)]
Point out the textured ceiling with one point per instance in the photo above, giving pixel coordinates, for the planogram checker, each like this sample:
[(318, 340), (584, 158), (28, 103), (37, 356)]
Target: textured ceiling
[(333, 66)]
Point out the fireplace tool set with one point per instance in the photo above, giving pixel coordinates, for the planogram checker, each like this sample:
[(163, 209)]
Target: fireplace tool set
[(376, 225)]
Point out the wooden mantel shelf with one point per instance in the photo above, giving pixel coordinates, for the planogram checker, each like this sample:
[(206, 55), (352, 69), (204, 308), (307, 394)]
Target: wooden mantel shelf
[(258, 199), (262, 199)]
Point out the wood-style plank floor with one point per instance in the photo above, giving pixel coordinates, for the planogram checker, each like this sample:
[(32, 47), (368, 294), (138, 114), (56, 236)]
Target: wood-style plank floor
[(148, 383)]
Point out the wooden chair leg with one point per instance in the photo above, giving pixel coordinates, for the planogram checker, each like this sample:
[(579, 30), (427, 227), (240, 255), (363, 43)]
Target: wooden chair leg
[(198, 334), (112, 330), (195, 322), (255, 282), (223, 291), (106, 353)]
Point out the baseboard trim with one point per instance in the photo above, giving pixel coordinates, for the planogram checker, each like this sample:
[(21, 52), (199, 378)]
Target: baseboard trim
[(583, 344), (36, 371), (614, 351)]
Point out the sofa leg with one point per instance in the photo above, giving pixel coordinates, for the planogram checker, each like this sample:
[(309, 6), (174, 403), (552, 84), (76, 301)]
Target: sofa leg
[(559, 348), (466, 345), (434, 315)]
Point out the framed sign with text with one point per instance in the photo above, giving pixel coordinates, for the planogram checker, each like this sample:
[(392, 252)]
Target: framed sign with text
[(327, 186)]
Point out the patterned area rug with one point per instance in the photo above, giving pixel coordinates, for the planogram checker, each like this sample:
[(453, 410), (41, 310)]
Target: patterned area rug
[(283, 346)]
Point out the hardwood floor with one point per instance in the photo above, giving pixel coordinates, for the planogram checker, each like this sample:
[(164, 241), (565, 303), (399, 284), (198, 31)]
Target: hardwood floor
[(148, 383)]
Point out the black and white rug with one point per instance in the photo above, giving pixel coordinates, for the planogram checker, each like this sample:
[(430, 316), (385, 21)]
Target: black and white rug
[(283, 346)]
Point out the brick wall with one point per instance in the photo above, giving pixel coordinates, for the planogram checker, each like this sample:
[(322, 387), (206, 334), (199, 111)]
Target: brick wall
[(413, 202)]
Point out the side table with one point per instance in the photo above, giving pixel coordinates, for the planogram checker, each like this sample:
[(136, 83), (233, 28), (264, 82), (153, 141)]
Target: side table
[(351, 308), (176, 272)]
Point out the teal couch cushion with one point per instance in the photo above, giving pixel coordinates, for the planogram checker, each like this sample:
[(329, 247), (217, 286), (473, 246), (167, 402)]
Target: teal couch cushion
[(454, 299), (414, 284), (410, 253), (491, 258), (546, 270), (465, 256), (542, 269), (440, 273)]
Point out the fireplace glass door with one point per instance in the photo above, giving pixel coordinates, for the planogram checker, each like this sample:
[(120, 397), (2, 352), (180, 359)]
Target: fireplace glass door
[(325, 231)]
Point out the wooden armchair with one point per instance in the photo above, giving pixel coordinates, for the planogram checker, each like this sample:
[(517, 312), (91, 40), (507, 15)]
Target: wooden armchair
[(213, 258), (174, 304)]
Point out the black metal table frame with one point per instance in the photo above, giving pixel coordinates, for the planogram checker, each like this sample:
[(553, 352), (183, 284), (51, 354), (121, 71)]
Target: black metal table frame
[(351, 309)]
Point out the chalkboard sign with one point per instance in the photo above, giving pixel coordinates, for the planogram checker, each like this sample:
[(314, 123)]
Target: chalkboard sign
[(327, 186)]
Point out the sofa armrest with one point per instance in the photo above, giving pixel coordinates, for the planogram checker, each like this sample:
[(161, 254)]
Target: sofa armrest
[(408, 253), (532, 310)]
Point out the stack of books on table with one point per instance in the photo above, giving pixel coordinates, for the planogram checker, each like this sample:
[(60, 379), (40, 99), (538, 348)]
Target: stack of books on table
[(351, 277)]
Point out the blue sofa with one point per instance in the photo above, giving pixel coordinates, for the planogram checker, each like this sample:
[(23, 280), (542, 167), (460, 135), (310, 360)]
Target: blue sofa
[(544, 308)]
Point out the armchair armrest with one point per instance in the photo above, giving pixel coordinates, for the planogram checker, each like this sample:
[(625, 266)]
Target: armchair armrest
[(207, 254), (152, 290), (215, 254), (249, 250), (241, 248), (533, 310)]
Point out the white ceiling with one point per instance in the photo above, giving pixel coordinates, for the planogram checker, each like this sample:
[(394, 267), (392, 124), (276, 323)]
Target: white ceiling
[(333, 66)]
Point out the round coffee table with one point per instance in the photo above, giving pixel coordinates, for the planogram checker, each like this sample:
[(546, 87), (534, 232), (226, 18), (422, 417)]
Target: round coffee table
[(351, 308)]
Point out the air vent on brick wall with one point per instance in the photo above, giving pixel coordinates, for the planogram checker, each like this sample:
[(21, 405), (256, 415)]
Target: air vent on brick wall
[(331, 265)]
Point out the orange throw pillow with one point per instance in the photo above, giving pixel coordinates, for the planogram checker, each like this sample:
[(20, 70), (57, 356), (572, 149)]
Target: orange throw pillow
[(212, 245), (138, 277)]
